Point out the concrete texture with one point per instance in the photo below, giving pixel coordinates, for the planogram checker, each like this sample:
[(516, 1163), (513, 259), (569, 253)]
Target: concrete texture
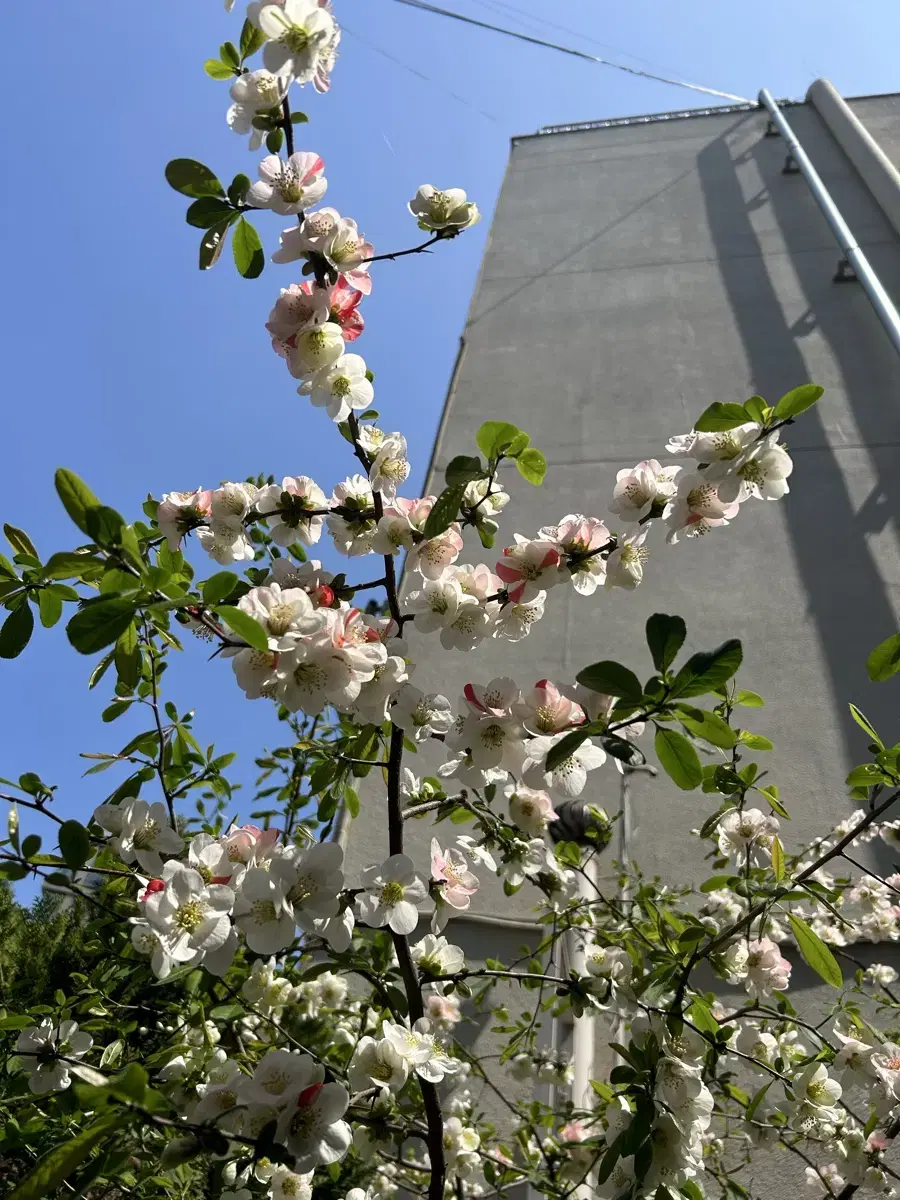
[(634, 275)]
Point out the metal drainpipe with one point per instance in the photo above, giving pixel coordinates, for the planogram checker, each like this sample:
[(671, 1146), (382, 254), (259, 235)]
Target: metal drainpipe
[(881, 301)]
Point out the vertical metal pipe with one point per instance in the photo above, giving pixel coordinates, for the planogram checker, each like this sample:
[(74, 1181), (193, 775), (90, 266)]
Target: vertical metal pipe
[(880, 300)]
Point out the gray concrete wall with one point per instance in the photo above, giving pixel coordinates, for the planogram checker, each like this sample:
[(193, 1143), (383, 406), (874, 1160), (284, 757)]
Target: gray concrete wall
[(634, 275)]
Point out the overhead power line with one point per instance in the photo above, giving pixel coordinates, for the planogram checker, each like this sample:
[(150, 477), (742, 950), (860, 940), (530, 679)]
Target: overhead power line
[(604, 62)]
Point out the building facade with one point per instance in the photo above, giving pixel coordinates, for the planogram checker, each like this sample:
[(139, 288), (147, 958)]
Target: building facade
[(636, 271)]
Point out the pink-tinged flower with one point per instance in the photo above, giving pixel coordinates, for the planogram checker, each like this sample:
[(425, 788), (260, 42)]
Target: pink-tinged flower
[(696, 508), (339, 242), (449, 869), (493, 702), (443, 1011), (546, 710), (344, 311), (432, 558), (767, 970), (180, 512), (574, 1131), (530, 810), (153, 886), (289, 187), (643, 490), (478, 581), (529, 567), (580, 539), (249, 843), (300, 307)]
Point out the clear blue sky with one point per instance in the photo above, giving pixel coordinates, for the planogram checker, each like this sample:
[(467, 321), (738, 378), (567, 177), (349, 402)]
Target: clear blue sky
[(126, 364)]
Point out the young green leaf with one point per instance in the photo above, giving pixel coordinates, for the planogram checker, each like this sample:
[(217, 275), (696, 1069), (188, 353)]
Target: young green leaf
[(720, 417), (706, 671), (665, 637), (238, 188), (275, 140), (749, 699), (777, 858), (192, 178), (252, 37), (244, 626), (76, 496), (816, 953), (494, 437), (219, 587), (798, 400), (678, 758), (20, 541), (228, 54), (216, 69), (611, 679), (445, 510), (865, 724), (707, 725), (128, 656), (532, 466), (884, 661), (16, 631), (248, 252), (99, 624), (755, 408), (74, 844), (755, 741)]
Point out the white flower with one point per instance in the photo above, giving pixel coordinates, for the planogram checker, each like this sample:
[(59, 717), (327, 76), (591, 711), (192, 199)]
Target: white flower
[(514, 621), (301, 33), (814, 1086), (315, 350), (625, 565), (724, 446), (147, 941), (337, 931), (229, 505), (747, 829), (608, 962), (696, 508), (390, 467), (277, 1078), (642, 489), (219, 1094), (286, 1185), (767, 970), (432, 557), (309, 881), (260, 912), (881, 974), (311, 1126), (461, 1144), (529, 567), (255, 92), (191, 915), (180, 512), (225, 544), (566, 778), (341, 388), (352, 535), (418, 1046), (439, 211), (529, 810), (580, 538), (371, 705), (437, 604), (285, 507), (391, 894), (43, 1053), (289, 187), (332, 666), (144, 833), (284, 613), (761, 471), (378, 1063), (545, 709), (420, 715), (434, 955)]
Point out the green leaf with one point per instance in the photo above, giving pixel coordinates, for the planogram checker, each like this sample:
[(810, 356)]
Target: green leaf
[(128, 656), (31, 845), (611, 679), (211, 244), (104, 524), (16, 631), (50, 608), (706, 671), (252, 37), (207, 211), (13, 871), (749, 699), (130, 1084), (244, 626), (771, 794), (59, 1164), (678, 759), (755, 741), (275, 140), (564, 748), (192, 178), (665, 637), (532, 466), (351, 801), (76, 496), (99, 624), (228, 1012), (215, 70), (755, 408), (299, 118), (463, 469), (228, 54), (494, 437), (719, 417), (798, 400), (445, 511), (519, 443), (238, 188), (707, 725), (700, 1014), (884, 661), (777, 858), (74, 844), (219, 587), (248, 252), (69, 565), (865, 724), (20, 541), (757, 1100), (816, 953)]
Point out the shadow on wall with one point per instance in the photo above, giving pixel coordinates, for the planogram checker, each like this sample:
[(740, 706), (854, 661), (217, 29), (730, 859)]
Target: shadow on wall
[(846, 596)]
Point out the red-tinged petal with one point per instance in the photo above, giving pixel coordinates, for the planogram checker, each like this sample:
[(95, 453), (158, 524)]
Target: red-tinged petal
[(309, 1095)]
